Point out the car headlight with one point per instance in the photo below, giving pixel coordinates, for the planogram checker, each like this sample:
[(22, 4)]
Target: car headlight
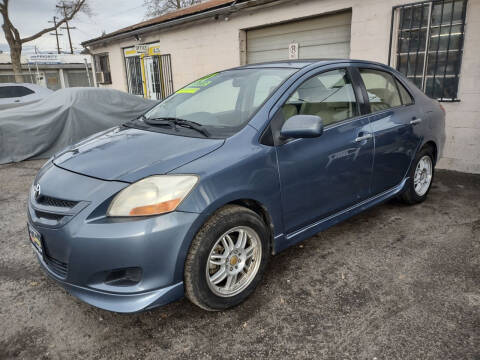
[(153, 195)]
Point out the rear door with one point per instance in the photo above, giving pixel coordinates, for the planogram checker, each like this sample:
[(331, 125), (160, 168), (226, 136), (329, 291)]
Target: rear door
[(323, 175), (394, 118)]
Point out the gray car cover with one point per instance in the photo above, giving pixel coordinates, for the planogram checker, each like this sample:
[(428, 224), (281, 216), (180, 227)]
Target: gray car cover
[(63, 118)]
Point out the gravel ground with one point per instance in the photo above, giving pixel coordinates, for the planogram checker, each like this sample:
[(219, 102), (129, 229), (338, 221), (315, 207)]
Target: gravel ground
[(395, 282)]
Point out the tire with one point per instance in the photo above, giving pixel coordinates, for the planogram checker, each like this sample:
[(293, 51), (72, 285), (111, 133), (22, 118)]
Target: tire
[(410, 195), (207, 246)]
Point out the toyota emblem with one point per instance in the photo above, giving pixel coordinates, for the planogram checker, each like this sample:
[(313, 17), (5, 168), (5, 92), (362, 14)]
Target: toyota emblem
[(36, 191)]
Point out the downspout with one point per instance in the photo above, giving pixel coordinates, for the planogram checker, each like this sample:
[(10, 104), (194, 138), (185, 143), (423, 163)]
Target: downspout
[(94, 70)]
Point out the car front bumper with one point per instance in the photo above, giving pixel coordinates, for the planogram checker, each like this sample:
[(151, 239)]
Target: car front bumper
[(82, 250), (118, 302)]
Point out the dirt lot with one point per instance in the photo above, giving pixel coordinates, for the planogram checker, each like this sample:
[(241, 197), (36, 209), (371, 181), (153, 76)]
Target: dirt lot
[(396, 282)]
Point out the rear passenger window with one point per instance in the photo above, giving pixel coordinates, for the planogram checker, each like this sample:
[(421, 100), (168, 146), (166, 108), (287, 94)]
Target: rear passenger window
[(381, 89), (404, 94), (328, 95)]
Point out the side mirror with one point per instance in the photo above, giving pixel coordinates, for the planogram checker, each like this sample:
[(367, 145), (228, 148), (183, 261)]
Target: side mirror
[(302, 126)]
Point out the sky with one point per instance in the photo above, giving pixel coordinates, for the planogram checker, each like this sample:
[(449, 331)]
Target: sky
[(31, 16)]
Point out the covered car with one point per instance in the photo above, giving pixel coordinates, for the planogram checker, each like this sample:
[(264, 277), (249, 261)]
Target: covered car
[(14, 95), (64, 118)]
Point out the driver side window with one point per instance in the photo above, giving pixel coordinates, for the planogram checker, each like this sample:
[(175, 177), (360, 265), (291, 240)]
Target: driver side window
[(328, 95)]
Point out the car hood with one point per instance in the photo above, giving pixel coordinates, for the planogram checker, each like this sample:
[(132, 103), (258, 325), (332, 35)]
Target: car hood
[(128, 154)]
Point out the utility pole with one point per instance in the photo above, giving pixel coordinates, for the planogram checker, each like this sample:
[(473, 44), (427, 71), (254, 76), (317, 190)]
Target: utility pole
[(67, 27), (56, 33)]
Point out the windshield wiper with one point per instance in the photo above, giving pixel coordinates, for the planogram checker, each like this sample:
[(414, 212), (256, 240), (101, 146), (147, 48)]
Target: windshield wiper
[(176, 121)]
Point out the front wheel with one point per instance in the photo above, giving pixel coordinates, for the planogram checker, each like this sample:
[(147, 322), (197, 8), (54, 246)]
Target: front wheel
[(227, 258), (420, 177)]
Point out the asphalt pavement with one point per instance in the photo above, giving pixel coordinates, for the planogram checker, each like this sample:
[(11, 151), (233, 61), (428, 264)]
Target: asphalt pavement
[(396, 282)]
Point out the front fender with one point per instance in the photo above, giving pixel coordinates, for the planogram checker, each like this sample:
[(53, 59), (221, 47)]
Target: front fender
[(241, 169)]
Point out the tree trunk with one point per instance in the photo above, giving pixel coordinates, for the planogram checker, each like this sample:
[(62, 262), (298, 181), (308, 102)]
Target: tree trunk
[(15, 54)]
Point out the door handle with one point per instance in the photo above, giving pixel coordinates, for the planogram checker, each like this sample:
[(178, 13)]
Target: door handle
[(415, 121), (363, 137)]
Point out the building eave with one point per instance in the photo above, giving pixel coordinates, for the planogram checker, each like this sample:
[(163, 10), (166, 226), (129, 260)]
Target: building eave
[(228, 7)]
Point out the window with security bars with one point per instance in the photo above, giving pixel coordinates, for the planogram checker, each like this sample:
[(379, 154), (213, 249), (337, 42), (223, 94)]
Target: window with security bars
[(162, 82), (134, 75), (102, 67), (428, 45)]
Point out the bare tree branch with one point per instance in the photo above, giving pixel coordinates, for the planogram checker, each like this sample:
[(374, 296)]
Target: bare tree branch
[(160, 7), (70, 9), (4, 6), (69, 14)]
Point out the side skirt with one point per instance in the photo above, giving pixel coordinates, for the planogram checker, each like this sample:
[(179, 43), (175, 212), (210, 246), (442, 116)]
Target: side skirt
[(284, 241)]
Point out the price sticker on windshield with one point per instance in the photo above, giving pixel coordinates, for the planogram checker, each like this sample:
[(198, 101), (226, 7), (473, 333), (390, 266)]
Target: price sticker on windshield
[(197, 84)]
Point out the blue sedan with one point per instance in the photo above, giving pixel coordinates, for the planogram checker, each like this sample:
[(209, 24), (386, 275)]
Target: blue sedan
[(193, 197)]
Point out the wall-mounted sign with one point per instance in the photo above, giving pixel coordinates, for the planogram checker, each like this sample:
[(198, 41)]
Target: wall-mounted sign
[(293, 51), (144, 49), (44, 59), (141, 49)]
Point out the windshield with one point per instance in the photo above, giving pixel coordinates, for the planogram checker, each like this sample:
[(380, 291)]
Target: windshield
[(219, 103)]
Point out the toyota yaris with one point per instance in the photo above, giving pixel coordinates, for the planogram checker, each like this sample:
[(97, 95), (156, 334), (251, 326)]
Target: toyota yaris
[(194, 196)]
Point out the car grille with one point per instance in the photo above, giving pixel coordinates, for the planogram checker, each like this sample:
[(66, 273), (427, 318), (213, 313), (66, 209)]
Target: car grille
[(51, 201), (51, 211)]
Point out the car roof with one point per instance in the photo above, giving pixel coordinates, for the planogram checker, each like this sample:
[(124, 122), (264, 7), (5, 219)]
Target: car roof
[(301, 63)]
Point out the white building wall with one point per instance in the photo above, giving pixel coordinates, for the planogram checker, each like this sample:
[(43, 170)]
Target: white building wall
[(211, 45)]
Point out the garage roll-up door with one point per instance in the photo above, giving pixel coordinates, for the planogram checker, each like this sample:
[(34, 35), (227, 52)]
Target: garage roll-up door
[(326, 36)]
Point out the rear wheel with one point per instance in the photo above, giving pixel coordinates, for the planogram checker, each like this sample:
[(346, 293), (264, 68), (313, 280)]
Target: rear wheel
[(420, 177), (227, 258)]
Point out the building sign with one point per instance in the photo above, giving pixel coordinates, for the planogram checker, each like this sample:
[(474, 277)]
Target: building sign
[(141, 49), (293, 51), (44, 59)]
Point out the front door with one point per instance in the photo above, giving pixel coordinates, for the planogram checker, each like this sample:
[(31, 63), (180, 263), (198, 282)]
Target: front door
[(324, 175), (152, 77), (149, 77)]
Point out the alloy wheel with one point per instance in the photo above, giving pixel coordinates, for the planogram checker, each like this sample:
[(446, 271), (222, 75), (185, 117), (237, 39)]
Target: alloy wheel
[(233, 261), (423, 175)]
